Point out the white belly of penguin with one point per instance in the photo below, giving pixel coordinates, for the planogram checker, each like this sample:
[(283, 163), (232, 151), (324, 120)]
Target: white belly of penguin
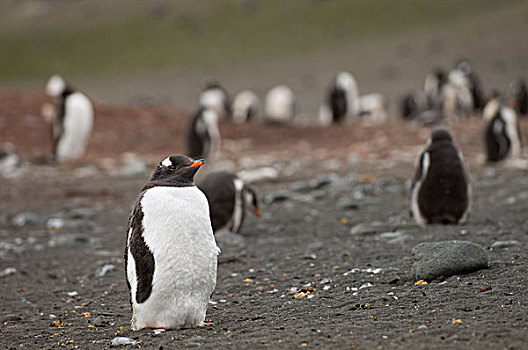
[(177, 229), (78, 123)]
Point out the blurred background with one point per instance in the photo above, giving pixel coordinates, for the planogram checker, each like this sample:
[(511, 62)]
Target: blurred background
[(159, 52)]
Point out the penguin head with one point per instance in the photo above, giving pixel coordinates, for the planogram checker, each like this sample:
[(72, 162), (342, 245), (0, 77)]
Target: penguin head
[(55, 86), (440, 134), (250, 196), (179, 169)]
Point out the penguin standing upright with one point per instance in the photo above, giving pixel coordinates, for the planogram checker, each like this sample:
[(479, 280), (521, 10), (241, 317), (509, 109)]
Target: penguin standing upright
[(215, 97), (441, 192), (502, 137), (279, 105), (203, 135), (171, 254), (518, 93), (246, 107), (228, 198), (73, 122)]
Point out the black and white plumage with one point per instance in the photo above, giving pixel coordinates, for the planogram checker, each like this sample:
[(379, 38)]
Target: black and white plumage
[(246, 107), (518, 93), (441, 192), (279, 105), (9, 161), (343, 102), (73, 122), (215, 97), (433, 87), (203, 135), (474, 84), (457, 100), (171, 254), (502, 137), (412, 104), (228, 197)]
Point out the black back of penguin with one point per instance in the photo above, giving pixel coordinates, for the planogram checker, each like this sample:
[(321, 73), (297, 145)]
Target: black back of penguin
[(197, 138), (337, 101), (219, 188), (496, 138), (443, 196), (58, 123)]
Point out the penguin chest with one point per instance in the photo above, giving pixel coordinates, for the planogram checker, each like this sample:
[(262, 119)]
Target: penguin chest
[(177, 229)]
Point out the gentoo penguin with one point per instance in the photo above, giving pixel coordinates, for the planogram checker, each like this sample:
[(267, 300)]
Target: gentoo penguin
[(171, 254), (372, 108), (518, 93), (203, 135), (73, 122), (246, 107), (412, 104), (457, 101), (228, 198), (215, 97), (441, 191), (343, 97), (501, 131), (433, 86), (474, 84), (9, 161), (279, 106)]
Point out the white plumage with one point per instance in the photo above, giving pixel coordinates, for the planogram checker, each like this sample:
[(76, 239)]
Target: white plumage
[(246, 105), (177, 230), (78, 124), (280, 104)]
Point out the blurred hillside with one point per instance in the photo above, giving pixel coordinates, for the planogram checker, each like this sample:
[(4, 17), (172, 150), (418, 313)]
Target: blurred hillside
[(159, 51)]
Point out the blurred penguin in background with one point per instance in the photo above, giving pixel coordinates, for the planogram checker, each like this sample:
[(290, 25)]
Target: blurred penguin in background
[(73, 121), (203, 135), (279, 105), (518, 96), (228, 198), (502, 136), (474, 84), (246, 107), (457, 101), (433, 87), (441, 192), (215, 97)]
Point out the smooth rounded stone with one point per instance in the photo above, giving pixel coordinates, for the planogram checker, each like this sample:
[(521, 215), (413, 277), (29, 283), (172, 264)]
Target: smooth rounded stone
[(504, 244), (123, 341), (448, 258), (101, 321), (276, 197), (224, 237), (10, 318), (348, 205)]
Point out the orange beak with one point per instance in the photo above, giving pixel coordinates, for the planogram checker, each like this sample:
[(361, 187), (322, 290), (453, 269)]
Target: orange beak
[(257, 212), (197, 163)]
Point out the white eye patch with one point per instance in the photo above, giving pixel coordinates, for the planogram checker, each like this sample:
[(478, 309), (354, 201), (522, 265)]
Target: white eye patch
[(166, 162)]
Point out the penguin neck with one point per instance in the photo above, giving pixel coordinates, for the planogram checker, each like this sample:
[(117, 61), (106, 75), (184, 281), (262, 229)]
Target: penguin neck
[(175, 181)]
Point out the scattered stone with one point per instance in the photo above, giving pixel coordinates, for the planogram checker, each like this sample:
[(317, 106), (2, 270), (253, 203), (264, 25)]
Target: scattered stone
[(10, 318), (225, 237), (101, 321), (504, 244), (444, 259), (196, 340), (103, 270), (55, 224), (119, 341), (24, 219), (8, 271), (276, 197), (259, 174), (132, 166), (349, 204), (72, 239)]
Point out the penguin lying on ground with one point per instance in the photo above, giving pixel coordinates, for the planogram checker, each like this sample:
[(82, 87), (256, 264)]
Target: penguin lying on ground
[(171, 254), (228, 198), (501, 131), (73, 122), (441, 192), (203, 135)]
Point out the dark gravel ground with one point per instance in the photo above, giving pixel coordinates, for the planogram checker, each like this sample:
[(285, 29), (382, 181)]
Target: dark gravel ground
[(323, 268)]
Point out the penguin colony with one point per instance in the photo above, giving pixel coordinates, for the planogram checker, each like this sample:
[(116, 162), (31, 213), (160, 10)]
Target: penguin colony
[(171, 253)]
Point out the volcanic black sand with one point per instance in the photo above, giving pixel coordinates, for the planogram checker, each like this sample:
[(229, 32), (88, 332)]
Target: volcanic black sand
[(306, 274)]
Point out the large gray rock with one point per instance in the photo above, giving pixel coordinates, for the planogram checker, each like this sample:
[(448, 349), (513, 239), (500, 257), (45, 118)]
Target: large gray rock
[(432, 260)]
